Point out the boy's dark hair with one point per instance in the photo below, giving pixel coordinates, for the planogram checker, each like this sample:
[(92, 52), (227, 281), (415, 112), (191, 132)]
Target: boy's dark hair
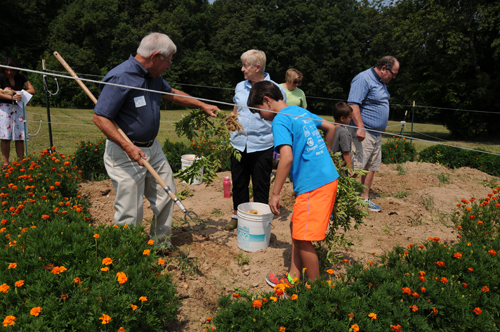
[(263, 89), (341, 109)]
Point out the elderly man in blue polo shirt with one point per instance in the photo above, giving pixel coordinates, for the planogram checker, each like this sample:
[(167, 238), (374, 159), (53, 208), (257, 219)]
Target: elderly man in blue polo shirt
[(369, 100), (137, 113)]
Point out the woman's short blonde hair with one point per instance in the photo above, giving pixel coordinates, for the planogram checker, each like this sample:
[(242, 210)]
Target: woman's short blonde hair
[(293, 74), (254, 58)]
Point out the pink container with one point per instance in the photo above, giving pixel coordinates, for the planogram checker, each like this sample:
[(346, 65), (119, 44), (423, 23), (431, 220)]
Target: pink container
[(227, 187)]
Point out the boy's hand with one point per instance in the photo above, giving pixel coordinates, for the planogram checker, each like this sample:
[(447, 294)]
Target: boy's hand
[(274, 204)]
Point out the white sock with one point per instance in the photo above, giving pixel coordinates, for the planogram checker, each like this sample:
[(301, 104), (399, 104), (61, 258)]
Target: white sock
[(235, 216)]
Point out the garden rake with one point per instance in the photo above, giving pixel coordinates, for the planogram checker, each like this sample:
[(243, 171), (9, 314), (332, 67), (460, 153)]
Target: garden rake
[(187, 214)]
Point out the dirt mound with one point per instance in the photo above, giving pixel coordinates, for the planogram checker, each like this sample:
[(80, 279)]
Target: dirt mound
[(415, 199)]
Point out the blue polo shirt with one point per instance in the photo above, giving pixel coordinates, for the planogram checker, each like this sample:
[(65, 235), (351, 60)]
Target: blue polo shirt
[(312, 166), (258, 133), (371, 95), (136, 112)]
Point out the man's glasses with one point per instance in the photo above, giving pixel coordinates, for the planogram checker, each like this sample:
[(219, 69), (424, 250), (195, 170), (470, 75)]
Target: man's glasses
[(390, 71)]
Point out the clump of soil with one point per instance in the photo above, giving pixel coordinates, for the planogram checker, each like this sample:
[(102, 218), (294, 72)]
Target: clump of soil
[(415, 199)]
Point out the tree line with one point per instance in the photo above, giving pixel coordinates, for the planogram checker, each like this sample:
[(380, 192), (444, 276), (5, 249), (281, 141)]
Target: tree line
[(449, 50)]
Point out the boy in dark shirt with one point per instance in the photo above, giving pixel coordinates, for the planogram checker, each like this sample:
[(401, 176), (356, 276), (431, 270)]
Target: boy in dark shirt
[(342, 113)]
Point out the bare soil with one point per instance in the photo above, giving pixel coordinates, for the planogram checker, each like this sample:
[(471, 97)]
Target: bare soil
[(204, 262)]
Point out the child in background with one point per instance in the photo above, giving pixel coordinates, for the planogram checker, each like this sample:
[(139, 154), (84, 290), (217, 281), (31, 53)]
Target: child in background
[(305, 154), (342, 113)]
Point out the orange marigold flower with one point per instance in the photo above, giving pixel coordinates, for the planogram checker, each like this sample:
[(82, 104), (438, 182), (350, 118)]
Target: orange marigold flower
[(121, 329), (491, 252), (107, 261), (209, 319), (151, 242), (146, 252), (422, 273), (396, 328), (436, 239), (439, 263), (19, 283), (421, 278), (96, 236), (370, 263), (329, 271), (143, 298), (415, 294), (444, 280), (457, 255), (472, 216), (351, 315), (423, 290), (161, 261), (4, 288), (355, 328), (45, 217), (282, 329), (77, 280), (372, 315), (105, 269), (122, 277), (105, 319), (406, 290), (257, 304), (64, 297), (414, 308), (485, 289), (238, 295), (12, 265), (434, 310), (470, 269), (345, 261), (133, 307), (270, 297), (294, 297), (9, 320), (464, 284), (477, 311), (421, 246)]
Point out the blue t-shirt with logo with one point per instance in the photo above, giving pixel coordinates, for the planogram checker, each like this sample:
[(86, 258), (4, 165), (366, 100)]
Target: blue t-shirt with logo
[(312, 165)]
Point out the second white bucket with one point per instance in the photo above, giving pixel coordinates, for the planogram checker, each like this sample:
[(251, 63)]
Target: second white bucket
[(254, 230), (188, 160)]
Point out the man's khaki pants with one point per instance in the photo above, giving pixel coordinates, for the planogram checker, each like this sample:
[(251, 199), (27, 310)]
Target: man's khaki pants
[(131, 182)]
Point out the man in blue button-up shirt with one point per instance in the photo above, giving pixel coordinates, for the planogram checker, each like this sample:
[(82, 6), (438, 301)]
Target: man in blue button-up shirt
[(137, 113), (369, 100)]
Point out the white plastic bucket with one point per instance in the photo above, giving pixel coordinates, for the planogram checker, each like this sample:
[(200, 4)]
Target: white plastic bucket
[(254, 230), (188, 160)]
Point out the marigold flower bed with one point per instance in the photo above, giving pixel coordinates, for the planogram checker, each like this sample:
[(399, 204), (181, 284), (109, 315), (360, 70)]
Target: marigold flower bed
[(59, 273)]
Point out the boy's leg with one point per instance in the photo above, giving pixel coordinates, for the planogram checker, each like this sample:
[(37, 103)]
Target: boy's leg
[(303, 254)]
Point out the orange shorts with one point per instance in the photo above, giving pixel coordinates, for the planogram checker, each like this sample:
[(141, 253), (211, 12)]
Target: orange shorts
[(312, 211)]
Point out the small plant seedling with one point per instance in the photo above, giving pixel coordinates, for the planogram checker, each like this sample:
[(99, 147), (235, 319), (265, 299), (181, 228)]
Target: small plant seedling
[(443, 178), (401, 170), (428, 202), (401, 194), (185, 264), (217, 212), (242, 260), (184, 193)]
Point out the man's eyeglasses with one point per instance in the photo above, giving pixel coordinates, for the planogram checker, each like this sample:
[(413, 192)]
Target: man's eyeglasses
[(390, 71)]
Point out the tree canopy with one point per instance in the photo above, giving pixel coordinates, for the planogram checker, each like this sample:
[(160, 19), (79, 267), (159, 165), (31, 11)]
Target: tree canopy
[(448, 50)]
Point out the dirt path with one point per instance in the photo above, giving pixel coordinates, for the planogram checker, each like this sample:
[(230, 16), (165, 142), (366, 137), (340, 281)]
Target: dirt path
[(415, 200)]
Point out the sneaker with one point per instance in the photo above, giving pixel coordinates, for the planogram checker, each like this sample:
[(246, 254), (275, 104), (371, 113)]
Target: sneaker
[(372, 206), (274, 279), (233, 224)]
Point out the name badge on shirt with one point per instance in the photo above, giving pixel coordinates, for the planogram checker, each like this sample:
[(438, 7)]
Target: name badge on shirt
[(139, 101)]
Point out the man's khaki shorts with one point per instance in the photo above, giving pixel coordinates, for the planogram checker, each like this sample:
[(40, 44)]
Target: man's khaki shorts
[(367, 155)]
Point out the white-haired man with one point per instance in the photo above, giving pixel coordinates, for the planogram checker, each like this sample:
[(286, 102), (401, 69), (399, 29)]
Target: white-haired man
[(137, 113)]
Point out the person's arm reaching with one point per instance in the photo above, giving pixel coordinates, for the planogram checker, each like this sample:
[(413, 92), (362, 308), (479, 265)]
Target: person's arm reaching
[(284, 166), (191, 102)]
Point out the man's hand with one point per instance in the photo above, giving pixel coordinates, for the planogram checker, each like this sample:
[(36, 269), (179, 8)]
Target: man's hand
[(135, 153), (210, 110), (274, 204), (360, 134)]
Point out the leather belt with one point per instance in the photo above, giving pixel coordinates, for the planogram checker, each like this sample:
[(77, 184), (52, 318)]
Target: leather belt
[(143, 144)]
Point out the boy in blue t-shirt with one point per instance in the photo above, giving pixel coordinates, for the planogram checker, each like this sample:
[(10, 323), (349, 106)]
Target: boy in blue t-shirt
[(306, 157)]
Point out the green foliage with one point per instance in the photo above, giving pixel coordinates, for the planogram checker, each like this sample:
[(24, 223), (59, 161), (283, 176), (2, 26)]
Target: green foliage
[(62, 264), (479, 219), (89, 158), (402, 194), (452, 157), (213, 145), (348, 204), (398, 151), (443, 178), (242, 260), (426, 287)]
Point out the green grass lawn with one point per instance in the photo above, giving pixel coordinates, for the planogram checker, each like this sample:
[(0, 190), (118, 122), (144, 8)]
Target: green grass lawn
[(73, 125)]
